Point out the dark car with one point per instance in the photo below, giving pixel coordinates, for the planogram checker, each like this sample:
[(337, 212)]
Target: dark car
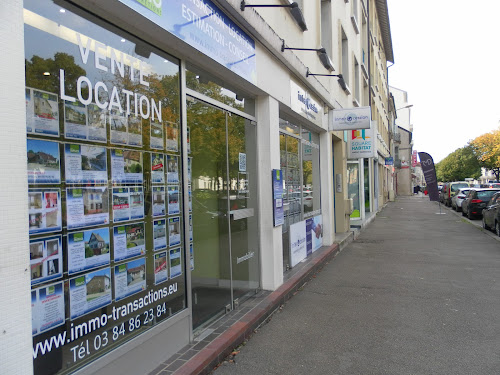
[(491, 214), (476, 200)]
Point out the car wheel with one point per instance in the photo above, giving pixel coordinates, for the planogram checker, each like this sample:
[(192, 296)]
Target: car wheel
[(485, 226), (469, 215), (497, 228), (463, 212)]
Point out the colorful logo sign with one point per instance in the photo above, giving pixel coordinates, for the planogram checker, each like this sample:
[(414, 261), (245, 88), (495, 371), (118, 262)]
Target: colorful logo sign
[(359, 134)]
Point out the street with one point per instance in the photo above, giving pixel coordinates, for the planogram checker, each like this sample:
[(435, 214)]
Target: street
[(416, 293)]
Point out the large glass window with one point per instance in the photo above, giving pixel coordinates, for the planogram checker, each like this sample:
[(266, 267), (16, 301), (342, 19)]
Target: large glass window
[(107, 249), (299, 161)]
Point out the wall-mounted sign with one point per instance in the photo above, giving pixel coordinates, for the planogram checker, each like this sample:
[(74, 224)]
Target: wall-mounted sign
[(302, 103), (361, 143), (278, 197), (389, 161), (350, 119), (205, 27)]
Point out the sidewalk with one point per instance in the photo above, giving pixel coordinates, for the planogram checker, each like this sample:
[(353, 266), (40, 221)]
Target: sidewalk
[(416, 293), (219, 339)]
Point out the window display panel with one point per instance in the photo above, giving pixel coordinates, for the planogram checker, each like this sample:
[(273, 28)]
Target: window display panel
[(310, 174), (107, 253)]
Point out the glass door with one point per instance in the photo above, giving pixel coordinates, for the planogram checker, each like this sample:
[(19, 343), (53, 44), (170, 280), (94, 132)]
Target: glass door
[(242, 172), (224, 217)]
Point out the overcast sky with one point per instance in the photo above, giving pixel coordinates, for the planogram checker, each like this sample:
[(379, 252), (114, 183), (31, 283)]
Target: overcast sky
[(447, 57)]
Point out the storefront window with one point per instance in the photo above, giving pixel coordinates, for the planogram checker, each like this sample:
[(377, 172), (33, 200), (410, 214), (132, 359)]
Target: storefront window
[(367, 184), (107, 250), (205, 83), (299, 160), (310, 173), (353, 188)]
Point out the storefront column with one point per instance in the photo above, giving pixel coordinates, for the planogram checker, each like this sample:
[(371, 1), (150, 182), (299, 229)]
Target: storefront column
[(327, 187), (268, 158), (15, 311)]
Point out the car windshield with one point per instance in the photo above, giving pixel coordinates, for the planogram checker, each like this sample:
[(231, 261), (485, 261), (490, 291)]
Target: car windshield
[(485, 195), (456, 187)]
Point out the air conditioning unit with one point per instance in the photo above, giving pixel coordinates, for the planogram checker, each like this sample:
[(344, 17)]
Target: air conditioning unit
[(397, 137)]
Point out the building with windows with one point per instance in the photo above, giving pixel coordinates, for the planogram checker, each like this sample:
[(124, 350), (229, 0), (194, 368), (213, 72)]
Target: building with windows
[(241, 98)]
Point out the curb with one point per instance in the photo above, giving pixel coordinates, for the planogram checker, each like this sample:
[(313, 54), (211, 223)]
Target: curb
[(216, 351)]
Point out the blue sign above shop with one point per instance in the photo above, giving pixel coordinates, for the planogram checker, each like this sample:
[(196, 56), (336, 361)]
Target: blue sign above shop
[(203, 26)]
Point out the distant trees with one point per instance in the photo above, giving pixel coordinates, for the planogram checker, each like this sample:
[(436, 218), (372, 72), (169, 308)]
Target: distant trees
[(458, 165), (486, 148)]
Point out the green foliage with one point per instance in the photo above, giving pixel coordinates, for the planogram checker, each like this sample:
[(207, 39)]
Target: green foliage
[(486, 148), (459, 165)]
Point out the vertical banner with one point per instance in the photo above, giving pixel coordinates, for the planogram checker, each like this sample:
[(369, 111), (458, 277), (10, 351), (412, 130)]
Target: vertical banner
[(430, 175)]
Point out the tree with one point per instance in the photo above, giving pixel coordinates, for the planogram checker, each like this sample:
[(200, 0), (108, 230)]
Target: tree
[(459, 165), (486, 148)]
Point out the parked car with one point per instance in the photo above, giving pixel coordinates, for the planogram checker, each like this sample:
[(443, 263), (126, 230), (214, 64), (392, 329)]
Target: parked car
[(450, 189), (456, 201), (491, 214), (476, 200)]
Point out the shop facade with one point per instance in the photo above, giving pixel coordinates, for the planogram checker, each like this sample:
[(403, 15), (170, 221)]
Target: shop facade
[(145, 145)]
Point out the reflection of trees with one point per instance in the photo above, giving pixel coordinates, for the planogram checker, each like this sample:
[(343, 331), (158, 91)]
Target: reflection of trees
[(37, 66)]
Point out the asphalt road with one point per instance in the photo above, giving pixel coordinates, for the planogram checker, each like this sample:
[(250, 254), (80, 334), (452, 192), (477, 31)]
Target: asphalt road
[(417, 293)]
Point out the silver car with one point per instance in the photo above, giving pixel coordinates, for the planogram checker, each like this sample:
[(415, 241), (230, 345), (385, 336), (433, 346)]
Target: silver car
[(456, 201)]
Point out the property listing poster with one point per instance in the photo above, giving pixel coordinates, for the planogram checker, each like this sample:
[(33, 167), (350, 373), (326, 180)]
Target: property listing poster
[(97, 130), (44, 210), (175, 262), (191, 256), (87, 207), (173, 200), (128, 241), (47, 308), (174, 231), (158, 198), (172, 169), (172, 137), (42, 112), (75, 120), (128, 203), (126, 166), (85, 164), (88, 250), (157, 168), (43, 162), (34, 317), (156, 136), (314, 233), (159, 234), (298, 244), (161, 269), (89, 292), (130, 278), (118, 128), (134, 130), (46, 261), (190, 227)]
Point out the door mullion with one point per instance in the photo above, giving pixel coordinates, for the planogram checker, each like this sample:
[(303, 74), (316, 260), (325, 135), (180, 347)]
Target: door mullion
[(228, 184)]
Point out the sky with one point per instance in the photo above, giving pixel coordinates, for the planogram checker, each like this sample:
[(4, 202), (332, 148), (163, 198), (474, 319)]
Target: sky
[(446, 57)]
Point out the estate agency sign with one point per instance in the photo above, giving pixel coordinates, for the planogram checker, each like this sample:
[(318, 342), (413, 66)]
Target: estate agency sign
[(350, 118), (205, 27), (302, 103), (361, 143)]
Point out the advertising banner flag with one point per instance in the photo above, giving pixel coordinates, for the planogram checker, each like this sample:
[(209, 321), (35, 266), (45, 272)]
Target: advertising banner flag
[(430, 175)]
